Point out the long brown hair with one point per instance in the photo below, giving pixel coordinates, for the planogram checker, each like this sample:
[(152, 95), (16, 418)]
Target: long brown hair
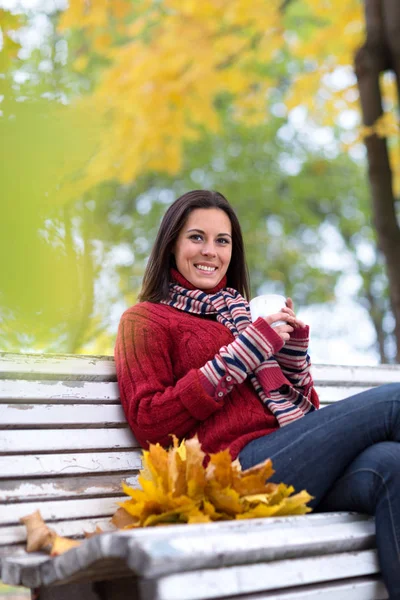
[(156, 278)]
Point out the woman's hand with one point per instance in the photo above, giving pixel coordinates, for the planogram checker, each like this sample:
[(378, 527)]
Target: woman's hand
[(288, 310), (285, 329), (286, 314)]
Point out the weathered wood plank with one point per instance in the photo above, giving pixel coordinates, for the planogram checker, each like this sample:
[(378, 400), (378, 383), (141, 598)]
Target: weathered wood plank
[(242, 579), (61, 509), (55, 366), (18, 416), (67, 391), (18, 490), (218, 546), (355, 588), (358, 375), (40, 465), (15, 534), (56, 440)]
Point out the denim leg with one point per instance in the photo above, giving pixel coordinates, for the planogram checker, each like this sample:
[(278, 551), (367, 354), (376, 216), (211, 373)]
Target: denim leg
[(314, 452), (371, 484)]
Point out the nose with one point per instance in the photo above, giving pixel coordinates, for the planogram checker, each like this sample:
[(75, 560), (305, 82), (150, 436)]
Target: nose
[(208, 250)]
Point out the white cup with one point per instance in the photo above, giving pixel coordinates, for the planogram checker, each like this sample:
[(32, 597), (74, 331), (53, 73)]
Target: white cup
[(267, 304)]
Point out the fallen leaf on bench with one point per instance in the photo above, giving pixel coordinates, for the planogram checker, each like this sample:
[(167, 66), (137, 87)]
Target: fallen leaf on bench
[(40, 536), (176, 487), (62, 544)]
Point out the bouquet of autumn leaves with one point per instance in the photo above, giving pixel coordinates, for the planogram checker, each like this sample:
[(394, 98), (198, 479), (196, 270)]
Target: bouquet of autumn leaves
[(176, 487)]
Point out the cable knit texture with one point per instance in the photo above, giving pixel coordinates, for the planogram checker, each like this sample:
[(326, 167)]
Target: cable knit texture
[(160, 355)]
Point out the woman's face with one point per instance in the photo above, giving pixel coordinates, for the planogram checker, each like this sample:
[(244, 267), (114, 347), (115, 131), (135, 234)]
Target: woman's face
[(203, 248)]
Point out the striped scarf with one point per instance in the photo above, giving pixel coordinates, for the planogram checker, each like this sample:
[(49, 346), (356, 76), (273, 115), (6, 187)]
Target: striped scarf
[(233, 311)]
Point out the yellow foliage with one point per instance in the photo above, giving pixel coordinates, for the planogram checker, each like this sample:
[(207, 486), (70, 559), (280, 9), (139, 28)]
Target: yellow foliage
[(169, 61), (160, 89), (177, 488)]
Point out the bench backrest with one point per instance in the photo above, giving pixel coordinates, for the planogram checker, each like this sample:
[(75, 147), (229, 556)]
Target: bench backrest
[(65, 446)]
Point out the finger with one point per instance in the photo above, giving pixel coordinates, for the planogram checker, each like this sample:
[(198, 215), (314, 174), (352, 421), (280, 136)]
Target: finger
[(280, 316), (289, 303), (300, 324), (288, 311), (283, 329)]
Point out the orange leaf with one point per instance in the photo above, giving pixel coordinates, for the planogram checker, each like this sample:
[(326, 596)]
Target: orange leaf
[(227, 500), (195, 473), (219, 468), (157, 461), (253, 480), (176, 473), (121, 519), (39, 535), (62, 544)]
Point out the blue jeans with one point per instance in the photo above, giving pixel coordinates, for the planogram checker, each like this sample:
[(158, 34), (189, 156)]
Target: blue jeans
[(347, 456)]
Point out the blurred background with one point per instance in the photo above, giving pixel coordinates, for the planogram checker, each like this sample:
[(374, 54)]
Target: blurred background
[(110, 109)]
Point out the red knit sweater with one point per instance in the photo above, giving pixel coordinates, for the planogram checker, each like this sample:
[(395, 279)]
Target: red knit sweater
[(158, 355)]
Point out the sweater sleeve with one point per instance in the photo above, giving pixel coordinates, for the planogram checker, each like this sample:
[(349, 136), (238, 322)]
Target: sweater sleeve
[(155, 404), (294, 360), (234, 362)]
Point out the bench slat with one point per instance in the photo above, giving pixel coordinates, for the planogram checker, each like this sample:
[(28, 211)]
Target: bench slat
[(353, 588), (357, 588), (66, 391), (357, 375), (48, 415), (61, 509), (56, 440), (48, 488), (213, 583), (53, 366), (40, 465)]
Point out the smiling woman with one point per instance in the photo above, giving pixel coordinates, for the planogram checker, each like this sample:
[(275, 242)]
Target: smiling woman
[(191, 362)]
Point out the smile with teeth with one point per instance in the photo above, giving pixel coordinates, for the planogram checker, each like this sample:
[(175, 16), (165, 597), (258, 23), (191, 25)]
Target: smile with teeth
[(206, 269)]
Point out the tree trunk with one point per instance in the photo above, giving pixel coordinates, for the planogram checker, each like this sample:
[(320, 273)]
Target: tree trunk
[(381, 52)]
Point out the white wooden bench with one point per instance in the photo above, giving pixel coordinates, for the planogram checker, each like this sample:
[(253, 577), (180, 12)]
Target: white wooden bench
[(65, 447)]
